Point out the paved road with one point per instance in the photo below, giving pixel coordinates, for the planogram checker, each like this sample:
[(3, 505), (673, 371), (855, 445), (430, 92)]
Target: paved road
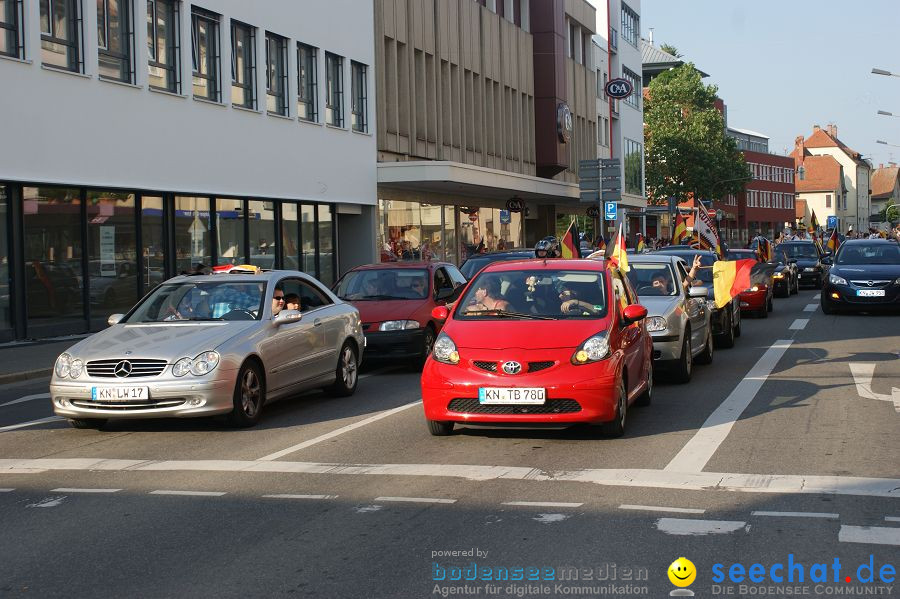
[(775, 449)]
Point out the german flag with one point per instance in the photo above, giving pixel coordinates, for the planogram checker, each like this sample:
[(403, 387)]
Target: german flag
[(681, 232), (570, 245), (834, 242), (640, 243), (601, 243), (813, 224), (615, 252), (731, 277)]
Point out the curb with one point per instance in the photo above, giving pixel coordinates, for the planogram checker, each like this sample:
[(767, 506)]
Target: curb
[(27, 375)]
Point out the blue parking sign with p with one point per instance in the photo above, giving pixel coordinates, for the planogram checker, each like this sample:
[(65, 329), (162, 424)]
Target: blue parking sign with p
[(832, 222), (610, 209)]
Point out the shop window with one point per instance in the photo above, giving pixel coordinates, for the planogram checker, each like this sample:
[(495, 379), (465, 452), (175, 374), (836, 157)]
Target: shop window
[(112, 253), (5, 306), (290, 236), (261, 220), (326, 245), (193, 241), (230, 238), (154, 250)]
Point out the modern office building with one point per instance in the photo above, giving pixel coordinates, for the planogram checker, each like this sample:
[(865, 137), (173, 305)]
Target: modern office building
[(485, 108), (145, 138)]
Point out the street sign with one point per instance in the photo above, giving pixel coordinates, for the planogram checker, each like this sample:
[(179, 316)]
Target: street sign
[(611, 195), (609, 210), (589, 196), (611, 172), (610, 162), (831, 222), (589, 185), (588, 172)]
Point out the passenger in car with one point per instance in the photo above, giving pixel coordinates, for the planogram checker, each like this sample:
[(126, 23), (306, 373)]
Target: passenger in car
[(571, 303), (487, 297), (292, 301), (277, 302), (662, 283)]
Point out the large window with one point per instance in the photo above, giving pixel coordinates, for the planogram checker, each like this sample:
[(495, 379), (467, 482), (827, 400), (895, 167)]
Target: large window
[(634, 168), (261, 225), (360, 103), (334, 90), (635, 80), (205, 54), (230, 231), (276, 74), (326, 245), (112, 253), (243, 65), (307, 84), (290, 236), (308, 239), (11, 43), (631, 25), (162, 45), (61, 34), (153, 240), (192, 234), (114, 40), (5, 306)]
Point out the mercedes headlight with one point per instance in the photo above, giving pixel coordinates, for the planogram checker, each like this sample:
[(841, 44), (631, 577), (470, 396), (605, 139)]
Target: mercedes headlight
[(445, 350), (656, 324), (836, 280), (594, 349), (181, 367), (399, 325), (204, 363), (63, 366), (76, 367)]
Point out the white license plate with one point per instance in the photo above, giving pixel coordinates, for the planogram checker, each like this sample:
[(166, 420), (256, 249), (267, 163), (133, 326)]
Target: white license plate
[(508, 395), (120, 393), (870, 292)]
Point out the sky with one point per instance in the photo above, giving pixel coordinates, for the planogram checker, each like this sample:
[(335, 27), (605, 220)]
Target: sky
[(783, 66)]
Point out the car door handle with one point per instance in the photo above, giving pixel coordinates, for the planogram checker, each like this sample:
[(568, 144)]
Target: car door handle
[(317, 323)]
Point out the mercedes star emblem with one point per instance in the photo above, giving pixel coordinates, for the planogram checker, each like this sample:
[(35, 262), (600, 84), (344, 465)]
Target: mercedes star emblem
[(512, 367), (122, 369)]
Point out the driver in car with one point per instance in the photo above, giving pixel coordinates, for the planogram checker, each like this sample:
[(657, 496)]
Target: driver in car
[(277, 302), (662, 283)]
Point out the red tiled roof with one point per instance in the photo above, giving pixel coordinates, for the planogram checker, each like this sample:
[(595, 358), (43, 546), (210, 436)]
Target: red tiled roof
[(883, 181), (822, 139), (823, 173)]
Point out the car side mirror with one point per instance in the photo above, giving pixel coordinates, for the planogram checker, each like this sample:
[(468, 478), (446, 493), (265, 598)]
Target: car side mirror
[(698, 292), (444, 294), (827, 260), (114, 319), (440, 313), (634, 313), (288, 316)]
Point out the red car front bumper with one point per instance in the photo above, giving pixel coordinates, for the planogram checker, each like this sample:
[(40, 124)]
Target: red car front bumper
[(754, 300), (574, 394)]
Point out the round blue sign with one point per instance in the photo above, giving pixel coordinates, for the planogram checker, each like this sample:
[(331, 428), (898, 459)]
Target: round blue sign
[(619, 88)]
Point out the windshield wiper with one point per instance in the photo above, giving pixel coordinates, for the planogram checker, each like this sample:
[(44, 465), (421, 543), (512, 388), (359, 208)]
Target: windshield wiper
[(507, 314), (376, 297), (201, 318)]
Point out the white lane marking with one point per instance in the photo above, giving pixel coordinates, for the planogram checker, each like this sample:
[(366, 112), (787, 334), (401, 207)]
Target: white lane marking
[(551, 518), (416, 499), (338, 432), (811, 308), (6, 490), (542, 504), (875, 535), (799, 324), (381, 370), (640, 478), (679, 526), (365, 509), (13, 427), (26, 398), (797, 515), (654, 508), (75, 490), (863, 372), (48, 502), (697, 452), (887, 518), (189, 493), (289, 496)]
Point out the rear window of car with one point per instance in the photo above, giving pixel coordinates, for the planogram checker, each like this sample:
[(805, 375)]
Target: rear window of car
[(799, 250)]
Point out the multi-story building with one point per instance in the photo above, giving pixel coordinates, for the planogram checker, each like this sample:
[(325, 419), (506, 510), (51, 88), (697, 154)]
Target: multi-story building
[(885, 188), (854, 212), (820, 189), (620, 32), (149, 138), (766, 205), (485, 108)]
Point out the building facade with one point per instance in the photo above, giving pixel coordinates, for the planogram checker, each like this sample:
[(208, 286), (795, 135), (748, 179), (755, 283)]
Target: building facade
[(484, 110), (885, 189), (164, 136), (820, 191)]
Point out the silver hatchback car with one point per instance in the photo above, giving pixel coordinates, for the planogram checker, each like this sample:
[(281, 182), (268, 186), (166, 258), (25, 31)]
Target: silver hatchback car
[(212, 344)]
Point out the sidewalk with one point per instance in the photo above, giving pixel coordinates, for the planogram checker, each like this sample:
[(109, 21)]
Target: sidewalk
[(23, 360)]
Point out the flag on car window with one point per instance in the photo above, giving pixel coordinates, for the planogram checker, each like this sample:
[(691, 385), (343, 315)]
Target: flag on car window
[(731, 277)]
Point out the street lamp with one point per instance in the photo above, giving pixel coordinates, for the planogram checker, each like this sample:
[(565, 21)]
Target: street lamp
[(878, 141), (883, 72), (886, 113)]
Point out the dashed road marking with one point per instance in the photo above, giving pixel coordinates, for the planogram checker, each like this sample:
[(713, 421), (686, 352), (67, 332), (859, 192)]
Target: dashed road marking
[(875, 535), (76, 490), (338, 432), (679, 526), (13, 427), (797, 515), (26, 398), (416, 499), (189, 493), (290, 496), (6, 490), (551, 518), (367, 509), (655, 508), (892, 519), (48, 502), (811, 308), (542, 504), (799, 324)]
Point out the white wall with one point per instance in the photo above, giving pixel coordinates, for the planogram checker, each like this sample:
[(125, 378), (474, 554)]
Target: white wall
[(856, 180), (78, 129)]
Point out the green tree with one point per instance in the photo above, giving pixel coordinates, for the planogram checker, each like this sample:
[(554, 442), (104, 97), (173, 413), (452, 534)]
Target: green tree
[(670, 49), (891, 213), (687, 151)]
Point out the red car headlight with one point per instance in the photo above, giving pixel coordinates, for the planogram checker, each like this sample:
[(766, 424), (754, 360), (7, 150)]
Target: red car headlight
[(593, 349), (445, 350)]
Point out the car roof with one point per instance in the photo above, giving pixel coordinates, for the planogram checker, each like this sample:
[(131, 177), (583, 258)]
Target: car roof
[(500, 253), (545, 264), (418, 265), (798, 242), (651, 257), (742, 251), (681, 250), (263, 277), (862, 241)]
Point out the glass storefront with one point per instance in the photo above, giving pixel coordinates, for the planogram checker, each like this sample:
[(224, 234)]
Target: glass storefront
[(326, 246), (262, 233), (308, 239), (192, 234), (230, 231), (5, 303), (290, 236), (112, 256), (153, 240)]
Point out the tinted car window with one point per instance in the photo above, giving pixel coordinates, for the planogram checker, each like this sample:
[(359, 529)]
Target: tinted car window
[(539, 293), (868, 253), (800, 250), (383, 284), (201, 301)]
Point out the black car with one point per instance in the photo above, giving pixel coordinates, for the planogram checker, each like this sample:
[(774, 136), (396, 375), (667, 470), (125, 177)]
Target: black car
[(865, 276), (479, 261), (726, 321), (787, 275), (812, 263)]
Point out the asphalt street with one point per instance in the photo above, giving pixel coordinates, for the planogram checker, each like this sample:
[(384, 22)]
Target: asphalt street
[(785, 445)]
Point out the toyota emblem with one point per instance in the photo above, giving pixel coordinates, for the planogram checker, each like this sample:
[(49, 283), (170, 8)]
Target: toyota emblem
[(512, 367), (122, 369)]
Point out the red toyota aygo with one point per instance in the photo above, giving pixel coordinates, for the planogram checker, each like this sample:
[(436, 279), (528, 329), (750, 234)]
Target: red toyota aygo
[(538, 342)]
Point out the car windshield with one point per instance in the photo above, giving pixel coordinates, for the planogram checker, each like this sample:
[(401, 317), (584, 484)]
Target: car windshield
[(800, 250), (537, 294), (201, 300), (384, 284), (869, 253), (652, 279), (704, 275), (473, 265)]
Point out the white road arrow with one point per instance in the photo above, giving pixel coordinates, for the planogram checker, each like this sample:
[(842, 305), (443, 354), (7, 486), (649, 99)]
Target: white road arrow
[(862, 374)]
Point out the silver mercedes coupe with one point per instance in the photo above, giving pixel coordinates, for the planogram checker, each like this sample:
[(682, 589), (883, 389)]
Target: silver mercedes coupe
[(212, 344)]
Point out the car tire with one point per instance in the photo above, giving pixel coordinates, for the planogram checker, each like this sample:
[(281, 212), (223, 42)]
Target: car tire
[(762, 312), (427, 345), (828, 307), (737, 326), (795, 287), (249, 396), (726, 340), (346, 375), (88, 423), (616, 427), (439, 428), (686, 362), (706, 356), (646, 398), (787, 290)]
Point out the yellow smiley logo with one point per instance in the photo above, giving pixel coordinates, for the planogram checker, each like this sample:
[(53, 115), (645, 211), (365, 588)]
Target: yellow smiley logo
[(682, 572)]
